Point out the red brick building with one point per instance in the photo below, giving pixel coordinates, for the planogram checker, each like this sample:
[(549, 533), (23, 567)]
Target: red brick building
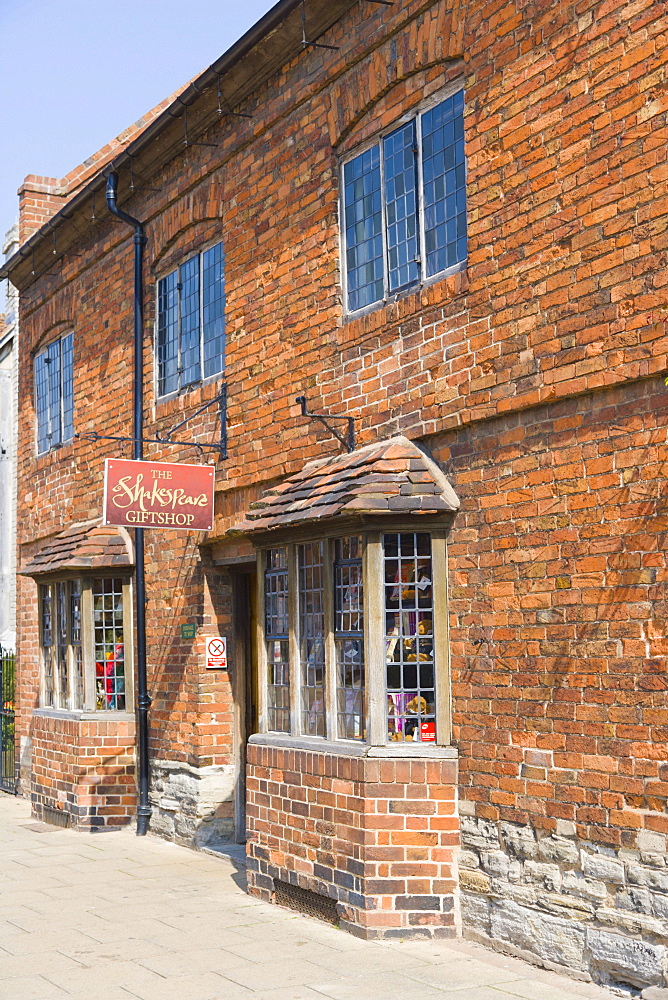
[(445, 707)]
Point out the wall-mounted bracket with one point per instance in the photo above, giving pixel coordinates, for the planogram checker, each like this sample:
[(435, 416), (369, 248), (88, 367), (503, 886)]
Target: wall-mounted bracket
[(221, 448), (348, 441), (192, 142), (314, 45)]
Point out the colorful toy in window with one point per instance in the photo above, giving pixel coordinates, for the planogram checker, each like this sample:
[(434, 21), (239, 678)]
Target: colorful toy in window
[(408, 576)]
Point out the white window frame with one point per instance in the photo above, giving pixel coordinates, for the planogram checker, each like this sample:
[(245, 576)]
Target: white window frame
[(89, 703), (377, 140), (374, 638)]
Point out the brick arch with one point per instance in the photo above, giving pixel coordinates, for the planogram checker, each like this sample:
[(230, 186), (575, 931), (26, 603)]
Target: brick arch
[(55, 331), (434, 42), (183, 240), (59, 318)]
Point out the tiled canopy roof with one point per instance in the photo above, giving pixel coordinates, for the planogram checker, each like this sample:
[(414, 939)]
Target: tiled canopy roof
[(391, 477), (83, 546)]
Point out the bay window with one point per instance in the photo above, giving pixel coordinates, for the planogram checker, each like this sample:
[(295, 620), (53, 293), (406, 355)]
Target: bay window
[(354, 643), (85, 644)]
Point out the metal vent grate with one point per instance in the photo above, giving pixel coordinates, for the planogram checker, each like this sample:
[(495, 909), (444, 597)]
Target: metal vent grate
[(56, 817), (310, 903)]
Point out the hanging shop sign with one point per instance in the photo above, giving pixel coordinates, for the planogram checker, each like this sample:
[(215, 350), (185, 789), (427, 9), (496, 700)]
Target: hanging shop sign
[(216, 652), (158, 495)]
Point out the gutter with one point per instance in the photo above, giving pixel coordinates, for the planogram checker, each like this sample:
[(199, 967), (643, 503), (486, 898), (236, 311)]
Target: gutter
[(268, 23)]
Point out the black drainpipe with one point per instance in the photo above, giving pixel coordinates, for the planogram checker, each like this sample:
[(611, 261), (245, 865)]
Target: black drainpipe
[(143, 698)]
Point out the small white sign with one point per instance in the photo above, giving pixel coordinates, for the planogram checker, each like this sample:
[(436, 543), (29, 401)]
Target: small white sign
[(216, 652)]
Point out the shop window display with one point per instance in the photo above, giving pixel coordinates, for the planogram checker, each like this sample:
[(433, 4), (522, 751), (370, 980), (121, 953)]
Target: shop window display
[(84, 636), (321, 608)]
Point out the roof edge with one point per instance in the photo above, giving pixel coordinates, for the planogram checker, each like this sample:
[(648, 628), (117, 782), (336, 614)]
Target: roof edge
[(267, 23)]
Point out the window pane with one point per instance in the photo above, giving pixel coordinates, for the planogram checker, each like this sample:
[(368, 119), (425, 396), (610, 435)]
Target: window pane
[(168, 333), (46, 635), (53, 378), (400, 188), (213, 306), (42, 402), (411, 694), (444, 184), (67, 382), (349, 637), (363, 225), (61, 649), (189, 366), (276, 636), (75, 644), (109, 645), (312, 637)]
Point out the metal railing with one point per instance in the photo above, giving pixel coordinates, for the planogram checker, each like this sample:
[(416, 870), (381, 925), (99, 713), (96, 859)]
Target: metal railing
[(7, 731)]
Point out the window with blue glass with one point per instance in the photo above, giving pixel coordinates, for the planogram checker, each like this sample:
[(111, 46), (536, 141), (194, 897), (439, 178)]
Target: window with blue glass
[(54, 398), (191, 322), (404, 205)]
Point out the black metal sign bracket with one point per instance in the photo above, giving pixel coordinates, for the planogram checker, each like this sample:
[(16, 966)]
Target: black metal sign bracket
[(348, 441), (221, 448)]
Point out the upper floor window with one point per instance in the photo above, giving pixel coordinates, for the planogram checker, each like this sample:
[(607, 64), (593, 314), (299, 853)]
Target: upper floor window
[(84, 638), (404, 205), (191, 322), (54, 399)]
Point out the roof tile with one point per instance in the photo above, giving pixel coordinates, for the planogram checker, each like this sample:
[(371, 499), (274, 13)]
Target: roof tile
[(393, 475), (87, 545)]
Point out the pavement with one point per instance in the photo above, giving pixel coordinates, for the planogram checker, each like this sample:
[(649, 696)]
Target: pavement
[(111, 916)]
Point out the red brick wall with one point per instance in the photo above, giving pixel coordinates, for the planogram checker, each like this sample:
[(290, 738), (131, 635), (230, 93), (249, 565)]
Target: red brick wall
[(379, 836), (533, 375), (558, 637), (85, 769)]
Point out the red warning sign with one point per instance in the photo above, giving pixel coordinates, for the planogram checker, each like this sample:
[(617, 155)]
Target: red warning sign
[(216, 652)]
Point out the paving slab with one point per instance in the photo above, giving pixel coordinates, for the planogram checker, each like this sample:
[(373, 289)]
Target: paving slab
[(116, 917)]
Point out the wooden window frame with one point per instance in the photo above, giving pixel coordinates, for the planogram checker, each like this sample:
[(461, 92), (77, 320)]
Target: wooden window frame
[(87, 646), (374, 634)]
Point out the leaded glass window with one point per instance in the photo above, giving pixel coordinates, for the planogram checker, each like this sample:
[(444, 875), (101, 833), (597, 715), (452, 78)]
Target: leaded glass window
[(349, 637), (312, 637), (54, 397), (363, 215), (61, 644), (277, 639), (191, 322), (109, 644), (62, 656), (353, 645), (404, 205), (46, 641), (75, 643), (409, 638), (401, 207)]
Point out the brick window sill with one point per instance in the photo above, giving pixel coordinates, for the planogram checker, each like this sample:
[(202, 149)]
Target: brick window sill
[(346, 748)]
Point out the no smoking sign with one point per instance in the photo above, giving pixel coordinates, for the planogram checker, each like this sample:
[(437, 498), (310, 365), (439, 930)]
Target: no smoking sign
[(216, 652)]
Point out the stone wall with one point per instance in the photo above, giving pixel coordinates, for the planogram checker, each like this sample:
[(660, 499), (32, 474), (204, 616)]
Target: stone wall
[(192, 805), (596, 910)]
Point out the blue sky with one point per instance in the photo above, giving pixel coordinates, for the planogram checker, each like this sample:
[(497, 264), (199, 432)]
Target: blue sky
[(75, 73)]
